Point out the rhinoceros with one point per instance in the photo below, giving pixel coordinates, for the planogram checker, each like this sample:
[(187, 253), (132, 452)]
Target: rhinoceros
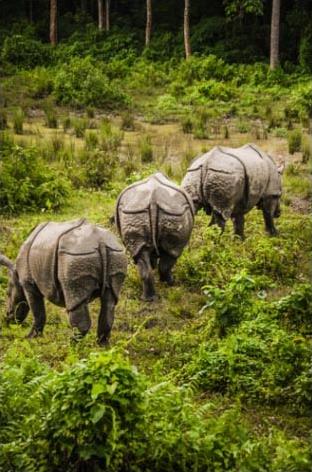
[(68, 263), (155, 219), (229, 182)]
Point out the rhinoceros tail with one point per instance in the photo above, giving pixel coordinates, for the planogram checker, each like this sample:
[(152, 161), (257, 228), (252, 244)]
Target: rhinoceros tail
[(103, 254), (153, 214)]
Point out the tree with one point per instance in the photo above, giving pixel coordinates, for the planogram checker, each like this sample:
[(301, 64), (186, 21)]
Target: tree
[(100, 15), (148, 30), (187, 42), (107, 16), (53, 22), (275, 32)]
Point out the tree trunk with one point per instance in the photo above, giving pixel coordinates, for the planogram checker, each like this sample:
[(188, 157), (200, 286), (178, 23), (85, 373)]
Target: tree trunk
[(107, 18), (275, 32), (148, 30), (100, 15), (187, 42), (53, 22), (30, 11)]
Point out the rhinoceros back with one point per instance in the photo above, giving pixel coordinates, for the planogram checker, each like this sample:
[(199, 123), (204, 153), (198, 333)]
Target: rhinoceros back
[(88, 259), (154, 214), (37, 260)]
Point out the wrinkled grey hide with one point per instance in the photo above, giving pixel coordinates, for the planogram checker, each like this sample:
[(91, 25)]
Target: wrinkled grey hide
[(69, 264), (155, 220), (228, 182)]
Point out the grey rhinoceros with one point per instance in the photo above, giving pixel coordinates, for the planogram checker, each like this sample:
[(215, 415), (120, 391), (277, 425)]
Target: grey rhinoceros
[(68, 263), (155, 220), (229, 182)]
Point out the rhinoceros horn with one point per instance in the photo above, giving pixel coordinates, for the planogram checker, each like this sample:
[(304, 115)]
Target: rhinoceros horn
[(6, 263)]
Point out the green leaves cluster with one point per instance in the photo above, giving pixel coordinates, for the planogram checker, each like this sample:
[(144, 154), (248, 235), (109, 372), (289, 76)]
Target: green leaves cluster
[(82, 83), (26, 183)]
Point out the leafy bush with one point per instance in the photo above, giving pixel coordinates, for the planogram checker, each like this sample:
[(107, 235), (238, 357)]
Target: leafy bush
[(26, 183), (18, 121), (25, 52), (79, 126), (231, 303), (81, 83), (50, 117), (294, 141), (3, 120), (146, 149)]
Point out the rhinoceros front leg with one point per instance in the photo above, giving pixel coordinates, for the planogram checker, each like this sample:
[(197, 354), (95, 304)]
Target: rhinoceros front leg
[(80, 321), (146, 272), (106, 318), (166, 264), (239, 223), (36, 304)]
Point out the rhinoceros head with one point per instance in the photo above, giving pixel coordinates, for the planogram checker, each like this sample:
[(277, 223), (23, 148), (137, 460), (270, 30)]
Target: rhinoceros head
[(17, 306)]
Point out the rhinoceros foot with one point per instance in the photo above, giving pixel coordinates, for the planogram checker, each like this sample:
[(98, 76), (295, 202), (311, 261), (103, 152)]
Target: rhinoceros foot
[(34, 333)]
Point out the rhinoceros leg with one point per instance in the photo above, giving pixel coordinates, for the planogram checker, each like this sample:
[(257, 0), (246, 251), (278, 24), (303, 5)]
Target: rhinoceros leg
[(146, 272), (36, 304), (217, 219), (269, 209), (239, 223), (80, 321), (165, 266), (106, 318)]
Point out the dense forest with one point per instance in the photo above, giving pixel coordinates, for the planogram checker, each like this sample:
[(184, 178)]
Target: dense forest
[(214, 374)]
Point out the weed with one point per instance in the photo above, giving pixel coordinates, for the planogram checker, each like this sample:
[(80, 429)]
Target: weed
[(51, 119), (294, 141), (145, 149), (127, 121), (3, 120), (79, 126), (91, 140), (18, 121)]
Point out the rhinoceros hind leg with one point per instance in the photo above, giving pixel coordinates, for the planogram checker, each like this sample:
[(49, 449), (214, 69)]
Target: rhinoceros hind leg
[(217, 219), (36, 304), (106, 318), (146, 273), (80, 321), (166, 264), (269, 223), (238, 223)]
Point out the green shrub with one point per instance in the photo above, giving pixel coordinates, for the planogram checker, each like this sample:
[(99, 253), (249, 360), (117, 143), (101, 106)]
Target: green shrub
[(79, 126), (127, 121), (18, 121), (3, 120), (187, 124), (259, 361), (306, 148), (81, 83), (294, 141), (26, 183), (305, 52), (51, 119), (145, 149), (232, 303), (66, 123), (92, 140), (40, 81), (25, 52)]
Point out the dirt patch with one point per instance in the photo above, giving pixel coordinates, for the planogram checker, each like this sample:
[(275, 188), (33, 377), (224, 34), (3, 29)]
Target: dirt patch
[(301, 205)]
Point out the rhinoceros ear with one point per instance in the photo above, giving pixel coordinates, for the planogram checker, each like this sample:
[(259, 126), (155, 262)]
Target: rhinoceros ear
[(6, 263), (281, 168)]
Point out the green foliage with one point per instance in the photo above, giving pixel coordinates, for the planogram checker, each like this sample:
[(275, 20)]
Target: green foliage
[(18, 121), (50, 117), (25, 52), (305, 52), (79, 126), (3, 120), (231, 303), (146, 149), (25, 182), (127, 121), (306, 148), (81, 83), (294, 141)]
